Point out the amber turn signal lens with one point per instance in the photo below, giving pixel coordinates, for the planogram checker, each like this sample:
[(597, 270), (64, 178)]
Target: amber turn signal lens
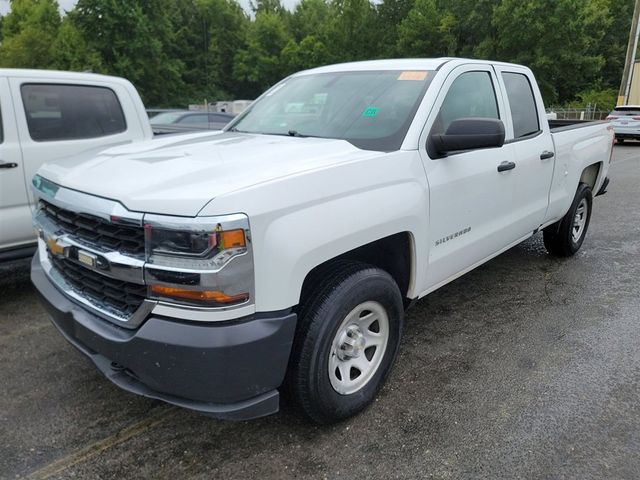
[(199, 295), (233, 239)]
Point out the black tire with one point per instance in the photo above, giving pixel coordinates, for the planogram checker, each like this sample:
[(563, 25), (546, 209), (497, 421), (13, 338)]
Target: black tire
[(332, 294), (558, 237)]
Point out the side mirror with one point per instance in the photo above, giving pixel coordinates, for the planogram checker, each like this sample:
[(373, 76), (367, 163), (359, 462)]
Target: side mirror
[(469, 134)]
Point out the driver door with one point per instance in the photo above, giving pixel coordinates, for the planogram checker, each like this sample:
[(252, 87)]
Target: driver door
[(470, 199)]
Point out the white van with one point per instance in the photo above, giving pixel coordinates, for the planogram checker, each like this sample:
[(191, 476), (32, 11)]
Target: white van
[(47, 115)]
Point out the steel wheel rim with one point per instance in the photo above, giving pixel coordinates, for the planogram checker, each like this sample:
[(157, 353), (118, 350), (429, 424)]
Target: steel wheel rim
[(579, 220), (358, 347)]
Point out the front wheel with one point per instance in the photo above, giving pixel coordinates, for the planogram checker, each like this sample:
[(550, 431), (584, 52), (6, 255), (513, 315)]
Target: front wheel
[(346, 342), (564, 238)]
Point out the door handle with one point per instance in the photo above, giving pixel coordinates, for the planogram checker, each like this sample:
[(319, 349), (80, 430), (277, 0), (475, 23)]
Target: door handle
[(504, 166), (547, 154), (7, 164)]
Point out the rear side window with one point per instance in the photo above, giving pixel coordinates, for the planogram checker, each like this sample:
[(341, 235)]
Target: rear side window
[(625, 111), (194, 119), (71, 112), (471, 95), (522, 103)]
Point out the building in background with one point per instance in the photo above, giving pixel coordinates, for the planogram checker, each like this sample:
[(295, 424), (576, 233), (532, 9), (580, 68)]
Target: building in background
[(233, 107), (634, 90)]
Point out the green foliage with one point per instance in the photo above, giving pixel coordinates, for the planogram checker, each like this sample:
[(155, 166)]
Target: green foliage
[(598, 99), (259, 65), (185, 51), (28, 34)]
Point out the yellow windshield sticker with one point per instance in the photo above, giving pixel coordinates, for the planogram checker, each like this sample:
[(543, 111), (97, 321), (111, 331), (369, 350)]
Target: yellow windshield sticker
[(413, 76)]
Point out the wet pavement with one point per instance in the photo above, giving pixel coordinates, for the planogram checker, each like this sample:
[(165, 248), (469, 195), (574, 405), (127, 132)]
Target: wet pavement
[(527, 367)]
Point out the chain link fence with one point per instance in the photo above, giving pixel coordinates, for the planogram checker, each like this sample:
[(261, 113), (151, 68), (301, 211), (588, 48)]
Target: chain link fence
[(590, 112)]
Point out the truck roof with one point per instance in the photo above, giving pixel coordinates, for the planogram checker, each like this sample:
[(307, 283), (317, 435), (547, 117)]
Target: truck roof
[(397, 64), (59, 75)]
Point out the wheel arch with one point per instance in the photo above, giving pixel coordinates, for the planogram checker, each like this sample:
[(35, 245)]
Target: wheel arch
[(395, 254), (590, 175)]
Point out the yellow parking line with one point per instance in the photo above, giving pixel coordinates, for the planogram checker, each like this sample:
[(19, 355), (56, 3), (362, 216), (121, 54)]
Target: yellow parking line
[(94, 449)]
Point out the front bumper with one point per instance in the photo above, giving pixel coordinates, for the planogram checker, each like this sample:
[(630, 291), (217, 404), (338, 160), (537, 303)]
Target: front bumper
[(228, 370)]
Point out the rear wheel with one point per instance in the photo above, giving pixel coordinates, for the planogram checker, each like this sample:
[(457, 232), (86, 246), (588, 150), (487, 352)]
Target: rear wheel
[(346, 342), (564, 238)]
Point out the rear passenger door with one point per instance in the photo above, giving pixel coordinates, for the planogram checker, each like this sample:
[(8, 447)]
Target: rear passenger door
[(529, 134), (59, 120)]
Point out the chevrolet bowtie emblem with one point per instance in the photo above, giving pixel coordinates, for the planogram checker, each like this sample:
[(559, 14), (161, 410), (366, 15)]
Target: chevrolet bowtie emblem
[(54, 247)]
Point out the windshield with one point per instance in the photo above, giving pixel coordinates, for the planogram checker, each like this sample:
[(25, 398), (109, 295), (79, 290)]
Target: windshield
[(372, 110), (165, 118)]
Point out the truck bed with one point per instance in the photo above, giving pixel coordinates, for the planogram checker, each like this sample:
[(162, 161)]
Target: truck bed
[(569, 124)]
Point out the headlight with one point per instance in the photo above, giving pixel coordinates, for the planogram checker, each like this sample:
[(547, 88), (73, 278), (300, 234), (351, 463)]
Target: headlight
[(203, 261)]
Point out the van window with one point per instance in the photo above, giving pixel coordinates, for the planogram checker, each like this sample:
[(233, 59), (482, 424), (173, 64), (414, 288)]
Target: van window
[(71, 112), (522, 104), (470, 95)]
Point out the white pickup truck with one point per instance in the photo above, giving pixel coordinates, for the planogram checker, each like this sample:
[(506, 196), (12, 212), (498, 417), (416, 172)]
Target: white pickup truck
[(47, 115), (213, 270)]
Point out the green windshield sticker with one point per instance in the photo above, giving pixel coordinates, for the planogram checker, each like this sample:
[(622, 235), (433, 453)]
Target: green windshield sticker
[(370, 112)]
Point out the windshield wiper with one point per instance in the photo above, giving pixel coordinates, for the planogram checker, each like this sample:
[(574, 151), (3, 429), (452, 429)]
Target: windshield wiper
[(234, 129)]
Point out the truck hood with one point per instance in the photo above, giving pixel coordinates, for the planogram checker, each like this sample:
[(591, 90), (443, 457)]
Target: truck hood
[(179, 175)]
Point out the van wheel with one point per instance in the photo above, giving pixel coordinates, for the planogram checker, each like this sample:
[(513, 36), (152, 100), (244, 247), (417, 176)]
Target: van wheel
[(346, 342), (564, 238)]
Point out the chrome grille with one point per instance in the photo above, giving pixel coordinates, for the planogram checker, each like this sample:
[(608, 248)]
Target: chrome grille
[(124, 297), (96, 231)]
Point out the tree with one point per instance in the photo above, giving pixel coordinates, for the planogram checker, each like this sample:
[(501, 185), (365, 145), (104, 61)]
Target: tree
[(227, 27), (133, 40), (259, 65), (418, 34), (613, 42), (310, 18), (390, 14), (351, 31), (71, 51), (309, 53), (28, 34), (550, 37)]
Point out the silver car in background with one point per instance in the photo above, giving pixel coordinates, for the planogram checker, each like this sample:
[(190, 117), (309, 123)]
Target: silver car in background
[(188, 121), (625, 121)]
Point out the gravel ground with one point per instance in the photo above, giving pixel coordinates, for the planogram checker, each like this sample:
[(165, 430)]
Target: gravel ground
[(527, 367)]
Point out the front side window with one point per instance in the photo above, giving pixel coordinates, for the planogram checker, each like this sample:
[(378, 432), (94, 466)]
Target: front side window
[(370, 109), (522, 104), (471, 95), (71, 112)]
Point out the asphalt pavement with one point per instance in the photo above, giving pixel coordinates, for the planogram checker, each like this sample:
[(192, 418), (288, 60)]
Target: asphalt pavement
[(527, 367)]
